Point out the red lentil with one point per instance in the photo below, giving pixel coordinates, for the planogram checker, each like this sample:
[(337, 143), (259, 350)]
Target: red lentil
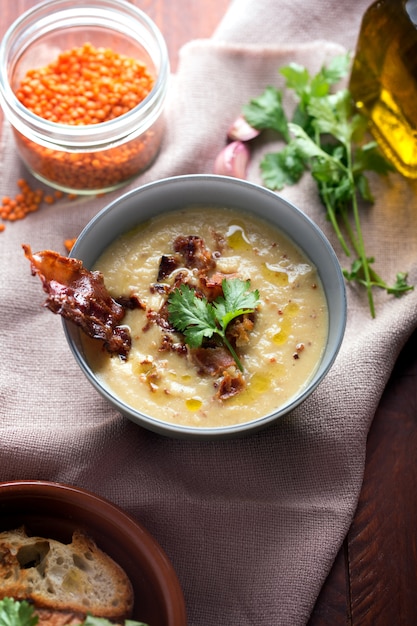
[(85, 85), (69, 243), (27, 200), (88, 85), (92, 170)]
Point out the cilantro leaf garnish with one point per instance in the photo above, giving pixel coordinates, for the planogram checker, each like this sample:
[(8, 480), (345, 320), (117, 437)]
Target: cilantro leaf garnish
[(282, 168), (197, 318), (191, 315), (267, 111), (14, 613), (325, 136)]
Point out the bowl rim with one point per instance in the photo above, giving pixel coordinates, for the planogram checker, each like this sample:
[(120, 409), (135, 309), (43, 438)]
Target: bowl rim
[(132, 528), (176, 430)]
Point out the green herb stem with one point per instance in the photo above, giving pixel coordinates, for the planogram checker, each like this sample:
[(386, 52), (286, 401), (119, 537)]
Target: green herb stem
[(232, 351), (360, 240), (374, 280), (362, 255), (333, 220)]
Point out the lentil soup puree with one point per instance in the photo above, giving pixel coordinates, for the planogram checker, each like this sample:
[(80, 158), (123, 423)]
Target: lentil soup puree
[(284, 347)]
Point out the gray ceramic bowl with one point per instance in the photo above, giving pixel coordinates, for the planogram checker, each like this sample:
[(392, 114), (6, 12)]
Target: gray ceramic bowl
[(178, 192)]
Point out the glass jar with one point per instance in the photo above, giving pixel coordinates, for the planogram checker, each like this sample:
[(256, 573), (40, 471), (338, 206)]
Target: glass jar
[(86, 158), (383, 80)]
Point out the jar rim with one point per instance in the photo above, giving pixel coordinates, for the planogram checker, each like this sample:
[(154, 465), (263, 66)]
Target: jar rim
[(140, 117)]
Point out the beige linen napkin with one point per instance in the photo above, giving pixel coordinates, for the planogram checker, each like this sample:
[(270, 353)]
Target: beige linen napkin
[(252, 525)]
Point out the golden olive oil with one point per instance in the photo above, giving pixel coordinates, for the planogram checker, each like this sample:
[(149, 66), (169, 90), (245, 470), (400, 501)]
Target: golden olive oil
[(383, 80)]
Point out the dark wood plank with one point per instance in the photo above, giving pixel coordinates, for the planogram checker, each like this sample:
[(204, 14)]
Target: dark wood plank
[(332, 606), (383, 537), (374, 578)]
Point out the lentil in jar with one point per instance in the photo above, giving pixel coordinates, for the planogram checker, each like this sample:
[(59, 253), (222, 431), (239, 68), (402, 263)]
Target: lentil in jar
[(88, 86)]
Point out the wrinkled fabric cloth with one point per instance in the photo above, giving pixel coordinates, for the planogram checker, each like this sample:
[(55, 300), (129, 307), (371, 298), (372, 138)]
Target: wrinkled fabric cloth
[(253, 525)]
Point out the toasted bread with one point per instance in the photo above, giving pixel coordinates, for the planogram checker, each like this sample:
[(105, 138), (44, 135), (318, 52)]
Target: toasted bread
[(74, 579)]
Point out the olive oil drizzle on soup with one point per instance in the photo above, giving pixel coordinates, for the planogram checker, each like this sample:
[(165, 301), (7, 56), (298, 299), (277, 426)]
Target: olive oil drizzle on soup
[(285, 345)]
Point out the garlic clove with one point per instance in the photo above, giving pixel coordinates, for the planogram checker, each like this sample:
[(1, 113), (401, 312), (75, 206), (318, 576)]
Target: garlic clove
[(233, 160), (240, 130)]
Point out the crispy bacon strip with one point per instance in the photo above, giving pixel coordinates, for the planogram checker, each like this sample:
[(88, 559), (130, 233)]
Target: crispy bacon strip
[(81, 296), (211, 286), (229, 385), (211, 361), (238, 332), (217, 362), (189, 251), (194, 252), (167, 265)]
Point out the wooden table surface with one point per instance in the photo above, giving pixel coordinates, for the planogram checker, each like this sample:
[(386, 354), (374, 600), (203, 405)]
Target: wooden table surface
[(374, 578)]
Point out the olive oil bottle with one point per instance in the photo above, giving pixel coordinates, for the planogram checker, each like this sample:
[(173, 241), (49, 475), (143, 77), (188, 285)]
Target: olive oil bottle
[(383, 80)]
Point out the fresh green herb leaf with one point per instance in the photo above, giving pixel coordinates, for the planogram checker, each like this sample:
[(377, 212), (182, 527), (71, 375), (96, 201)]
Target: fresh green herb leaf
[(282, 168), (307, 87), (325, 136), (357, 274), (236, 300), (16, 613), (368, 157), (331, 115), (337, 68), (267, 112), (192, 315), (198, 319), (362, 184), (306, 147), (400, 286), (297, 78)]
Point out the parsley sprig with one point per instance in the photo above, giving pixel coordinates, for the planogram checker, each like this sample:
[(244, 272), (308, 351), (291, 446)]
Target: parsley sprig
[(13, 613), (326, 136), (198, 318)]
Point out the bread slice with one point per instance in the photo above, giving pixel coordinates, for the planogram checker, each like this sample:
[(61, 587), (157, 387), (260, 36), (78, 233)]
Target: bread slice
[(76, 578)]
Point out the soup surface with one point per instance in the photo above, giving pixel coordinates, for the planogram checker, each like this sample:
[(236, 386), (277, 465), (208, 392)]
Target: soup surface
[(280, 352)]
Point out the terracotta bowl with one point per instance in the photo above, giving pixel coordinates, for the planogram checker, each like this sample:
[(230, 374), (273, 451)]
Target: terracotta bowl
[(54, 510)]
